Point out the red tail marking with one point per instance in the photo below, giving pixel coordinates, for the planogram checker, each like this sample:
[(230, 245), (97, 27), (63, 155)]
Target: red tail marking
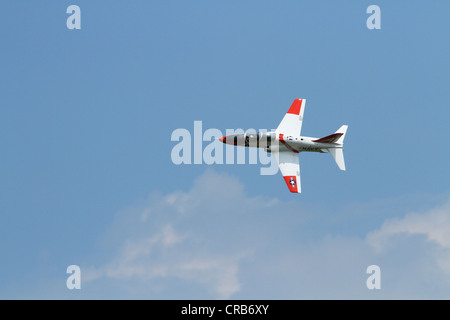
[(295, 107)]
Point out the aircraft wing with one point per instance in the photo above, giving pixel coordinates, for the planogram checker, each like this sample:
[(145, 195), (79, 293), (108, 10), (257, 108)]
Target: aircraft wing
[(291, 125), (288, 162)]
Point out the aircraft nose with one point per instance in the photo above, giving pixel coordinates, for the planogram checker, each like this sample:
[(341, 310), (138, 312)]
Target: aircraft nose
[(223, 139)]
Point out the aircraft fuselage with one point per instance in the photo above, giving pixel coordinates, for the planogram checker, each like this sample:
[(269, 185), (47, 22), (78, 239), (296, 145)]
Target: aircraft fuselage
[(272, 141)]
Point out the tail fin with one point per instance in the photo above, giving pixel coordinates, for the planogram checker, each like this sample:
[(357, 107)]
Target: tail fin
[(337, 137), (342, 130), (338, 153)]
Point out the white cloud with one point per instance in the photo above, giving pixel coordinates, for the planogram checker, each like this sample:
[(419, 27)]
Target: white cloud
[(430, 229), (434, 225), (216, 241), (169, 254), (200, 236)]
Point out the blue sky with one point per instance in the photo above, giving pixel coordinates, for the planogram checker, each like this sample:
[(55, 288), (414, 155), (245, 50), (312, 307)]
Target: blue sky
[(86, 176)]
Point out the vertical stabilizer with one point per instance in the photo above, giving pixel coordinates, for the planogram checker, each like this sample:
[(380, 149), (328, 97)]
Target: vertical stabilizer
[(342, 130)]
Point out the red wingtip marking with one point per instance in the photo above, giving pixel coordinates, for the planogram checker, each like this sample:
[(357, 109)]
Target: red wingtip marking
[(295, 107), (291, 182)]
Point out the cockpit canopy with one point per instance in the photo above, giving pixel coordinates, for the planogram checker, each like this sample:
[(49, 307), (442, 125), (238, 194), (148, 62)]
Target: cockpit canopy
[(251, 139)]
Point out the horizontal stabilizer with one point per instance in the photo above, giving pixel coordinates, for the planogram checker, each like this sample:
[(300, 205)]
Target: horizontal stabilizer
[(338, 156)]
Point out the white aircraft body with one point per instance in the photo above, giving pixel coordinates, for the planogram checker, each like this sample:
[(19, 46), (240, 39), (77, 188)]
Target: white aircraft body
[(285, 143)]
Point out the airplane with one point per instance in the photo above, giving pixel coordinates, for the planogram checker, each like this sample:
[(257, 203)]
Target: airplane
[(285, 144)]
